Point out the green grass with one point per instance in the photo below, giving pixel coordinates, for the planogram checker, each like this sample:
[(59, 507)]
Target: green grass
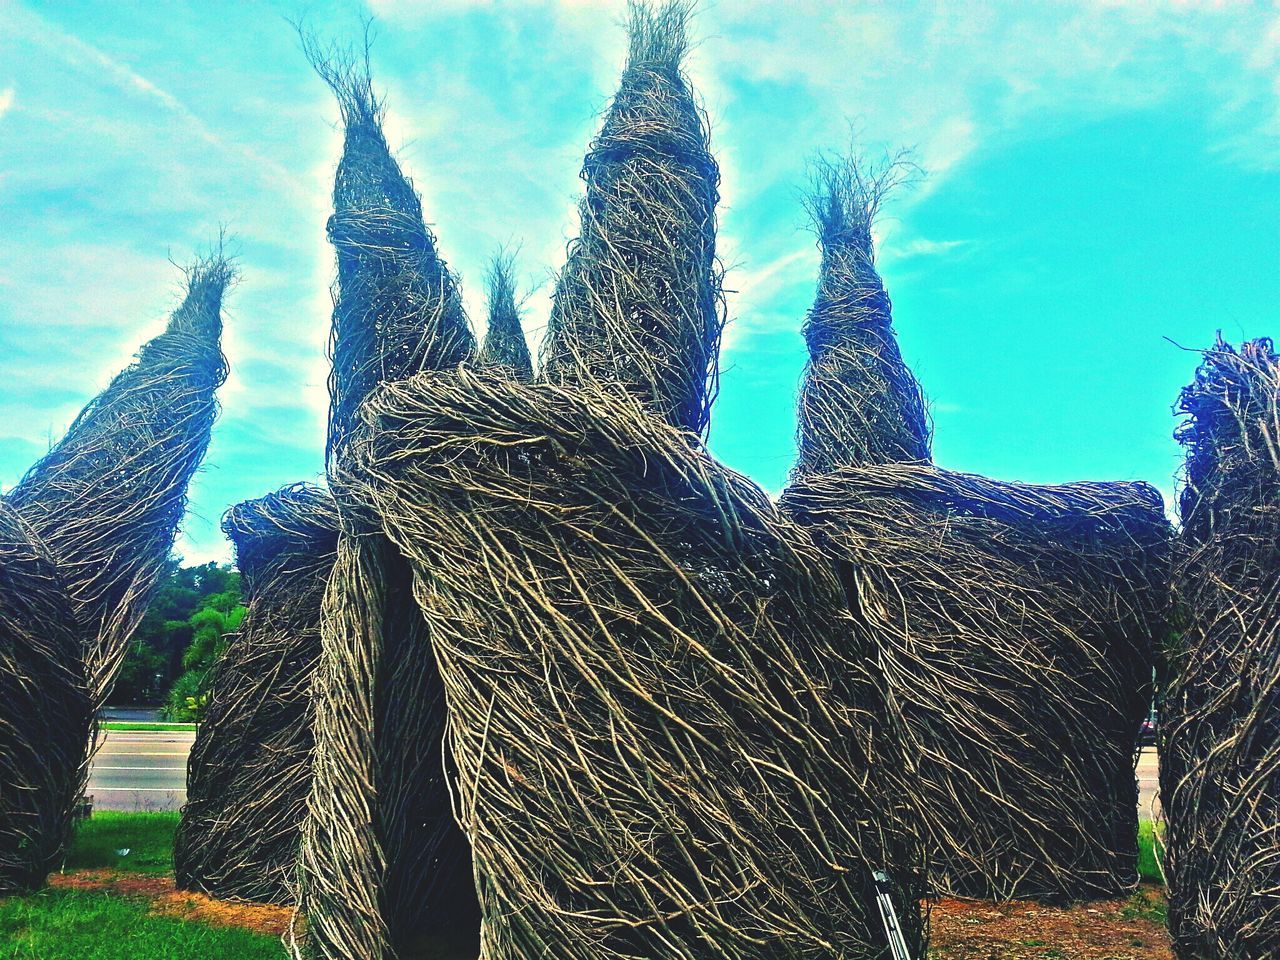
[(73, 924), (89, 925), (125, 726), (1144, 907), (147, 836), (1148, 864)]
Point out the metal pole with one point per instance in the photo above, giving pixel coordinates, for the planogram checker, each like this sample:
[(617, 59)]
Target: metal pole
[(889, 916)]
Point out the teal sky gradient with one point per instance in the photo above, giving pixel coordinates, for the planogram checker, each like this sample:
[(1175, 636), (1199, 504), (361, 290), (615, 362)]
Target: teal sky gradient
[(1103, 177)]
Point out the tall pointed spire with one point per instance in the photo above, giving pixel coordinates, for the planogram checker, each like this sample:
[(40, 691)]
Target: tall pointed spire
[(504, 344), (859, 403), (638, 305)]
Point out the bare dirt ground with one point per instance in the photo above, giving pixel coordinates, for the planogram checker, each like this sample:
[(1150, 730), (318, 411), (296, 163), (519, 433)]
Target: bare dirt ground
[(168, 900), (1129, 929)]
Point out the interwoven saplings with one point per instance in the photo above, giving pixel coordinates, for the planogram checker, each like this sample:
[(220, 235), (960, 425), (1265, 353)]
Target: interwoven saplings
[(1015, 623), (859, 402), (669, 739), (45, 715), (107, 499), (383, 861), (85, 534), (1220, 710), (249, 773)]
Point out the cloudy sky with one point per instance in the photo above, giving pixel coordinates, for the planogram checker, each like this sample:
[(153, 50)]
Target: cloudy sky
[(1103, 178)]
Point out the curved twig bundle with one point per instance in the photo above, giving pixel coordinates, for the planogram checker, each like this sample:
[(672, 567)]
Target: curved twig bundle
[(45, 714), (1220, 714), (669, 742), (383, 861), (1016, 625), (249, 772), (638, 306), (107, 500)]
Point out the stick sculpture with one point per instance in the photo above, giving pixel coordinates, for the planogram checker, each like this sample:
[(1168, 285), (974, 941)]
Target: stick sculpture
[(83, 537), (1220, 712), (669, 741), (249, 773), (384, 864), (1015, 623)]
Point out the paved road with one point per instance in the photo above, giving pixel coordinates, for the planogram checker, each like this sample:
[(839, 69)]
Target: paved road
[(140, 771), (1148, 784), (148, 771)]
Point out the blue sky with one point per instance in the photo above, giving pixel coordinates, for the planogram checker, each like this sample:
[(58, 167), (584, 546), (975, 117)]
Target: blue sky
[(1102, 176)]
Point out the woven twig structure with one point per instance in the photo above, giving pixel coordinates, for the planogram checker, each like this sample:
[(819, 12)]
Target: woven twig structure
[(45, 714), (107, 499), (669, 742), (249, 773), (1220, 712), (638, 305), (1015, 625), (505, 348), (383, 860), (859, 402), (83, 538)]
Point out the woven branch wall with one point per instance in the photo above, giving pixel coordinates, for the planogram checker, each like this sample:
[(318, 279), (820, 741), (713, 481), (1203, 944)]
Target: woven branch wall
[(249, 772), (667, 744), (45, 715), (1016, 625), (1220, 712)]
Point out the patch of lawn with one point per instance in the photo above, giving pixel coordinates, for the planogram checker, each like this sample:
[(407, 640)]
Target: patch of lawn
[(125, 726), (1148, 863), (148, 838), (1146, 905), (86, 925)]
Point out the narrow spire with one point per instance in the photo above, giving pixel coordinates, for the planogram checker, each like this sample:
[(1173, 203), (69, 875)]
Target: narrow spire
[(638, 304), (859, 403), (397, 309), (504, 343)]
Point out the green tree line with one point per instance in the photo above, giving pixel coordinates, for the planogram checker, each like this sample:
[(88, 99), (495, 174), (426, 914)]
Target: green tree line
[(181, 636)]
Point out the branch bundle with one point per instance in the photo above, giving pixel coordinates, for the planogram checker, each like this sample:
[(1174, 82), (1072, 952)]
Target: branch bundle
[(83, 538), (1220, 719), (249, 772), (668, 735), (383, 861), (505, 348), (859, 402), (45, 715), (638, 305), (107, 500), (1015, 624)]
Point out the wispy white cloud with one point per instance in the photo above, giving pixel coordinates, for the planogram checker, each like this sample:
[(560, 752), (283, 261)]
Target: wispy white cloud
[(923, 247)]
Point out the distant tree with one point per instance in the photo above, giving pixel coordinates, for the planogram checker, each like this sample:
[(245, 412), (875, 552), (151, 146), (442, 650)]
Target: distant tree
[(218, 615), (175, 638)]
